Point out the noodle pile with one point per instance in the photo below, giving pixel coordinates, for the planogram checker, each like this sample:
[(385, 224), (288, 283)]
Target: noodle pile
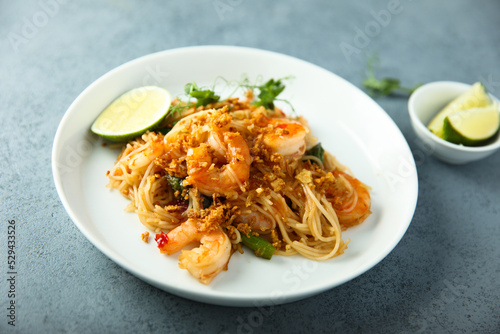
[(299, 203)]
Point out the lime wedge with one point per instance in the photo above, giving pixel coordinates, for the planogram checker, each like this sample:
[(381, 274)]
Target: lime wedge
[(133, 113), (475, 97), (472, 127)]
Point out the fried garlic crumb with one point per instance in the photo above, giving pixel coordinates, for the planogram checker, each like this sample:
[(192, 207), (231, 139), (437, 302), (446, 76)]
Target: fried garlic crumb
[(145, 237), (304, 176)]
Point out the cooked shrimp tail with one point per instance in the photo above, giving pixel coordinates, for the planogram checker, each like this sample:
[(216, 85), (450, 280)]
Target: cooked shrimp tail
[(351, 200), (205, 261), (209, 259)]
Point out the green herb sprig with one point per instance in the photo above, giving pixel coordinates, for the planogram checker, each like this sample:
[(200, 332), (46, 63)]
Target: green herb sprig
[(267, 92), (385, 86), (203, 96)]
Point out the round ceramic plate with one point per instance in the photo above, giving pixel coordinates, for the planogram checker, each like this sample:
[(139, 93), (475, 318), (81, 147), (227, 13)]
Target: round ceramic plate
[(347, 122)]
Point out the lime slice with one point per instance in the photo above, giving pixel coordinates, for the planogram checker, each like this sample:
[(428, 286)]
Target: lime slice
[(133, 113), (475, 97), (472, 127)]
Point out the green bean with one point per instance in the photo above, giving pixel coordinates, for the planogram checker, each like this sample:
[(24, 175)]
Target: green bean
[(261, 247)]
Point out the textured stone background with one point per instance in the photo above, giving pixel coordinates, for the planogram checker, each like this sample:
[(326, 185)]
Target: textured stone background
[(443, 277)]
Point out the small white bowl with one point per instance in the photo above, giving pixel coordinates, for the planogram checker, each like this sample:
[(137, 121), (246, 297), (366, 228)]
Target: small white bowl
[(424, 104)]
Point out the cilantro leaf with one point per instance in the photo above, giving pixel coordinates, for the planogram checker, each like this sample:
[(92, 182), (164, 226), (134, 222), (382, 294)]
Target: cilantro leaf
[(385, 86), (203, 97), (268, 92)]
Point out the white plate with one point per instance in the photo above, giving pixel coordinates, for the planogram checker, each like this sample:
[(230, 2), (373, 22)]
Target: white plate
[(349, 124)]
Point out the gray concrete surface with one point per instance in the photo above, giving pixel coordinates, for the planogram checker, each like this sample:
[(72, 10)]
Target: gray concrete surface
[(443, 277)]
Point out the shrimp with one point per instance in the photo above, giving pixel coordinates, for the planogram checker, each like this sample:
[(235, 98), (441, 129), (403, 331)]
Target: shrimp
[(134, 160), (210, 179), (139, 155), (204, 262), (287, 137), (351, 200), (257, 220)]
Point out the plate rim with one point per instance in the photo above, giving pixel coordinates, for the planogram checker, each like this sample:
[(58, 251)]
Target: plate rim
[(219, 298)]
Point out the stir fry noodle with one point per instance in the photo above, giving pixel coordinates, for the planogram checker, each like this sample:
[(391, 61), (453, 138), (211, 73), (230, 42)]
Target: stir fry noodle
[(233, 173)]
